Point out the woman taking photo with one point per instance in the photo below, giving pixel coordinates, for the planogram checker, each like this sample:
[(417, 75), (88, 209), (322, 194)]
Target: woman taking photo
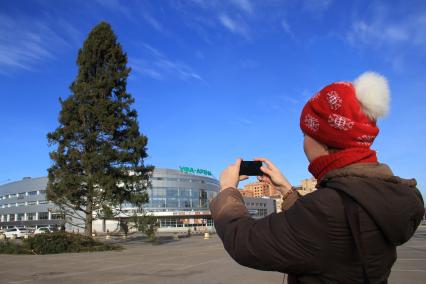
[(348, 229)]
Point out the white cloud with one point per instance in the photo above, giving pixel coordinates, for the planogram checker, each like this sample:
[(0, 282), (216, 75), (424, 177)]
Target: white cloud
[(316, 6), (158, 66), (25, 43), (115, 5), (410, 31), (244, 5), (233, 26), (245, 121), (286, 27), (153, 22)]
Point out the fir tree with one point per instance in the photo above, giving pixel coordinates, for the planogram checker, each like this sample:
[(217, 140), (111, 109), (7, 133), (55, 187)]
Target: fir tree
[(99, 160)]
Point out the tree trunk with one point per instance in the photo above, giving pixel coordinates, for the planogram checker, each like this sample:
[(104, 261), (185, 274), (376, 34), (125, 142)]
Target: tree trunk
[(89, 219)]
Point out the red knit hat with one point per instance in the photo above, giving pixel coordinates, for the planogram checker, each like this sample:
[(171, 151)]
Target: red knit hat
[(343, 114)]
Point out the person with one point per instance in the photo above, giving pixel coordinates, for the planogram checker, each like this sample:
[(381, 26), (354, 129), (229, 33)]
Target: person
[(348, 229)]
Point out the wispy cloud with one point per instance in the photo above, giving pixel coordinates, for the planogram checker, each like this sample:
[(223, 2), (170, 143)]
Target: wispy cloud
[(153, 22), (286, 27), (116, 6), (316, 6), (411, 31), (25, 43), (137, 10), (395, 36), (244, 5), (244, 121), (233, 25), (158, 66)]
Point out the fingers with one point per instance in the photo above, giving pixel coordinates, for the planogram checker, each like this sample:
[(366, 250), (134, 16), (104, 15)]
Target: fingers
[(238, 162), (266, 161), (267, 171), (264, 179)]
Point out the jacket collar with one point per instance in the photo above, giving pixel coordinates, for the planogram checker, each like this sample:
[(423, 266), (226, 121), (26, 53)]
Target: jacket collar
[(372, 170)]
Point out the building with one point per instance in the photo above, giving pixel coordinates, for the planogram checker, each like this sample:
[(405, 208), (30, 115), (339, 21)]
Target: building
[(178, 198), (307, 186), (246, 192), (261, 189), (24, 203), (259, 207)]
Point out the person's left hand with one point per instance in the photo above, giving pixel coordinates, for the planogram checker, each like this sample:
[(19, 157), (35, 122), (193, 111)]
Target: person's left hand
[(230, 177)]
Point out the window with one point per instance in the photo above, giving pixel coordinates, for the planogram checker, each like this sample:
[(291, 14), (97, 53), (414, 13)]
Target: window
[(43, 215), (20, 217), (56, 216), (31, 193), (43, 202), (20, 195), (20, 204), (11, 217), (203, 198), (30, 216), (29, 203), (42, 191)]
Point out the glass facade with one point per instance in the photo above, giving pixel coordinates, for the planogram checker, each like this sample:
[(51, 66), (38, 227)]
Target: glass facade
[(179, 198)]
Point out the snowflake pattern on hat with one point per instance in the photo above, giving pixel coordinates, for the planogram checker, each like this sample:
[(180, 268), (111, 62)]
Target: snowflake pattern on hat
[(311, 122), (334, 100), (340, 122), (365, 140)]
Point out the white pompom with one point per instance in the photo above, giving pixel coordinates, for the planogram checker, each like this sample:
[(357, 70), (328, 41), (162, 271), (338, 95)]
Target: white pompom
[(372, 91)]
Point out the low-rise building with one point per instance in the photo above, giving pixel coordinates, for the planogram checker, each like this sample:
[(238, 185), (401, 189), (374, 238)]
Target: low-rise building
[(259, 207), (261, 189)]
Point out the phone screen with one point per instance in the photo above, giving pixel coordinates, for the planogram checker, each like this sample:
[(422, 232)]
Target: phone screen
[(251, 168)]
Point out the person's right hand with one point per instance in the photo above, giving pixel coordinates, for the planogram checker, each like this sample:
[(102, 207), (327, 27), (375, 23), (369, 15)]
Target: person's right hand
[(273, 176)]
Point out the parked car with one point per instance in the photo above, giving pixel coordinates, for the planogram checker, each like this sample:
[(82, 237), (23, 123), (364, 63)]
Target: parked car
[(19, 232), (43, 230)]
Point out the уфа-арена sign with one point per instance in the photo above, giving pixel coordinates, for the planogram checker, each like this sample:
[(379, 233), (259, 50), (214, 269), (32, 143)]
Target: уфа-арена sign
[(189, 170)]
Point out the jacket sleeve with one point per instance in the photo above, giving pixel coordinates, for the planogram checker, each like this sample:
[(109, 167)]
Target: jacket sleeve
[(290, 241), (288, 202)]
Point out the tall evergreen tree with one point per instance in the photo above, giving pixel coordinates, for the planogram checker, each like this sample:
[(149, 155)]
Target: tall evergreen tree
[(99, 160)]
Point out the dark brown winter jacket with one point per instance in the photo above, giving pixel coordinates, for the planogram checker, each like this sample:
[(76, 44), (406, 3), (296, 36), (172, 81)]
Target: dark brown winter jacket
[(311, 241)]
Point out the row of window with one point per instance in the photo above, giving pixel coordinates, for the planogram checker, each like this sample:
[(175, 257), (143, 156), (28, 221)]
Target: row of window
[(21, 195), (183, 180), (29, 216), (182, 222), (179, 198), (28, 203), (255, 204)]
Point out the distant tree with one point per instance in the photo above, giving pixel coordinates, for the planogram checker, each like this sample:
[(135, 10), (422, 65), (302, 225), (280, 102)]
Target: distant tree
[(99, 160), (146, 223)]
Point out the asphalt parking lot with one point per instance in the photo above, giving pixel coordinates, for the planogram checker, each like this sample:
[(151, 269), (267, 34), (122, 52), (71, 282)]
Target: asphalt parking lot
[(189, 260)]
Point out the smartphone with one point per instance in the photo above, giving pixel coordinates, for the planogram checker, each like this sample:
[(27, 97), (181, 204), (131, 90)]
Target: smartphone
[(251, 168)]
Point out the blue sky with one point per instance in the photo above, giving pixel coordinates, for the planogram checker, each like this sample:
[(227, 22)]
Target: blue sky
[(216, 80)]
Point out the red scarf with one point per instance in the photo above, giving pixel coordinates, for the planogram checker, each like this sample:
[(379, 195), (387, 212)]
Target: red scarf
[(322, 165)]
